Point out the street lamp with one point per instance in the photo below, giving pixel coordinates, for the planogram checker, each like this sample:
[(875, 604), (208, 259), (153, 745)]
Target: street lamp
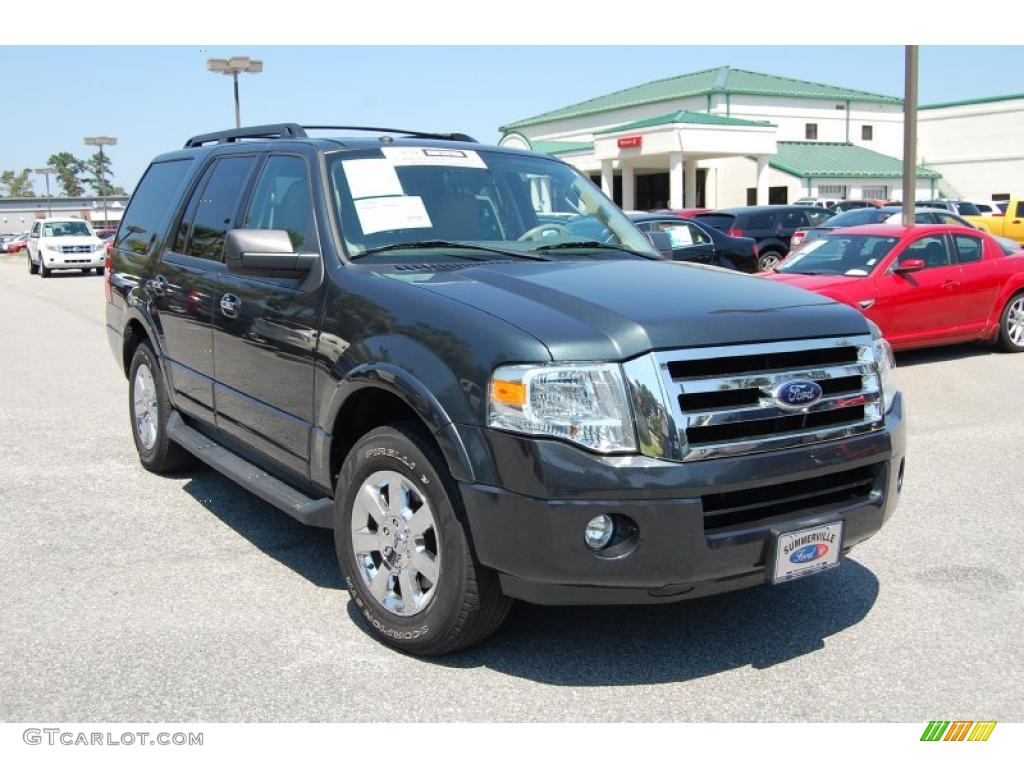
[(47, 172), (233, 67), (102, 141)]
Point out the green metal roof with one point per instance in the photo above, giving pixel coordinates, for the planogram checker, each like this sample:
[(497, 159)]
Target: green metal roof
[(826, 160), (559, 147), (965, 102), (685, 116), (719, 80)]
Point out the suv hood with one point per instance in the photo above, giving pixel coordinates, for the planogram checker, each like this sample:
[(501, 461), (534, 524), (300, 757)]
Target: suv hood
[(615, 310), (72, 240)]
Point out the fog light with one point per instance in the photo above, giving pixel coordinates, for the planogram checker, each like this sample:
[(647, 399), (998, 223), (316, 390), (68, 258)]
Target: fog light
[(599, 532)]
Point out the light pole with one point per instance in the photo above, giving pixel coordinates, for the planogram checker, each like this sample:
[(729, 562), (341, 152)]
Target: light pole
[(46, 172), (233, 67), (102, 141), (909, 134)]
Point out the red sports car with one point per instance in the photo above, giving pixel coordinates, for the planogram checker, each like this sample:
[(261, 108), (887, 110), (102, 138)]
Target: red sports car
[(923, 285)]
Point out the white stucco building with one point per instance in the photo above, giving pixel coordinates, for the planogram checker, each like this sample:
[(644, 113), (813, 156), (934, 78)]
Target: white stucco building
[(724, 137)]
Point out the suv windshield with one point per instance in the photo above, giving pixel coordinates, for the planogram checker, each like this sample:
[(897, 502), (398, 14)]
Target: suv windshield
[(852, 255), (66, 229), (437, 198)]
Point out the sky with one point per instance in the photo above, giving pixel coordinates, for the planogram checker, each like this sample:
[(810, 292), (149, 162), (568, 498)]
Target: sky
[(153, 98)]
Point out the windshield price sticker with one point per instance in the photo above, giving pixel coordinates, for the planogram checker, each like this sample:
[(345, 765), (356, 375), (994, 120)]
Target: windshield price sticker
[(455, 158), (381, 214), (372, 177)]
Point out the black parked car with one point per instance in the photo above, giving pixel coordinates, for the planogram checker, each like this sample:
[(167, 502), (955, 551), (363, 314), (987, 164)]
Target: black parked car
[(772, 226), (381, 336), (700, 243)]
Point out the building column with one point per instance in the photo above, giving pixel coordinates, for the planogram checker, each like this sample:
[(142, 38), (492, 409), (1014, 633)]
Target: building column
[(690, 177), (628, 187), (607, 178), (675, 180), (711, 187), (762, 179)]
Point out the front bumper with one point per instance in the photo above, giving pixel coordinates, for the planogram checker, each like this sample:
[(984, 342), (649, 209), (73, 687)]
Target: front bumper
[(529, 524), (72, 260)]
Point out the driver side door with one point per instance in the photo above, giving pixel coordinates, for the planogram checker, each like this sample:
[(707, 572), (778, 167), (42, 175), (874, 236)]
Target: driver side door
[(924, 306)]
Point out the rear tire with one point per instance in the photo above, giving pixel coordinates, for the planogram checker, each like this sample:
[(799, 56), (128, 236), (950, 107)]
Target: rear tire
[(149, 407), (1011, 325), (99, 270), (768, 260), (418, 583)]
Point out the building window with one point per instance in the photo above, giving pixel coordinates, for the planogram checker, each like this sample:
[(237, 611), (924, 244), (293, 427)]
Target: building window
[(875, 193), (867, 133), (811, 131), (841, 107), (832, 191), (1000, 196)]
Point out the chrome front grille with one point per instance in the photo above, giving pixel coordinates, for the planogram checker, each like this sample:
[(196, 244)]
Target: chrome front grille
[(719, 401), (76, 249)]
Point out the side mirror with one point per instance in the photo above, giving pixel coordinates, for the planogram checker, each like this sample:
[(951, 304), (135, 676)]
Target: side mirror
[(261, 250), (908, 265), (661, 242)]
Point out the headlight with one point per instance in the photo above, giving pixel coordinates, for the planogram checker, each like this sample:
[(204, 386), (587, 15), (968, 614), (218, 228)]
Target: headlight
[(52, 247), (885, 362), (582, 403)]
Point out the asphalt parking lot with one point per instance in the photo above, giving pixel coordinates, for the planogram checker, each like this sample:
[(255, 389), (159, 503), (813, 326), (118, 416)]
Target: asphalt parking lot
[(132, 597)]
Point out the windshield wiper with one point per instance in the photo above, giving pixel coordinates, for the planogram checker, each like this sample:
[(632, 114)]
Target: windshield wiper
[(594, 244), (424, 244)]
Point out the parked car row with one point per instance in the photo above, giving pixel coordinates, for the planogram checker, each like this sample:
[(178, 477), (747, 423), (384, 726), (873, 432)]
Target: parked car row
[(13, 243)]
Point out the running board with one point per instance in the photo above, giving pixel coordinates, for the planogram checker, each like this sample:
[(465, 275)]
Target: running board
[(316, 512)]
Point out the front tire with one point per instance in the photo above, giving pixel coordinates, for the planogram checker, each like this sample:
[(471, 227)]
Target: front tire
[(33, 268), (149, 408), (44, 271), (1011, 325), (402, 543)]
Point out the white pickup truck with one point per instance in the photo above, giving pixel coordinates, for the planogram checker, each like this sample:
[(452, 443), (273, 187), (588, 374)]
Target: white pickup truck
[(56, 243)]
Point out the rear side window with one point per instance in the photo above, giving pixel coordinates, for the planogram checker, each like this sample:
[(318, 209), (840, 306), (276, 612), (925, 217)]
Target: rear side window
[(758, 221), (968, 248), (215, 207), (154, 197), (967, 209), (814, 218)]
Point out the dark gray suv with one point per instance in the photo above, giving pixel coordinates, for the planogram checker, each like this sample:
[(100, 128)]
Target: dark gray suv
[(469, 364)]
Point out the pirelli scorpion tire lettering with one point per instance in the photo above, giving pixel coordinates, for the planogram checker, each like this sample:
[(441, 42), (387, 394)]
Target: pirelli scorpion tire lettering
[(402, 545)]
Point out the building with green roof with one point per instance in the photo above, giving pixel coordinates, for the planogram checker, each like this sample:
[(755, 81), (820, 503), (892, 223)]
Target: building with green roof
[(726, 136)]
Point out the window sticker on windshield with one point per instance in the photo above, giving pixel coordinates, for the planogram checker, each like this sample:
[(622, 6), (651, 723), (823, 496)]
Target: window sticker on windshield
[(380, 214), (371, 177), (458, 158)]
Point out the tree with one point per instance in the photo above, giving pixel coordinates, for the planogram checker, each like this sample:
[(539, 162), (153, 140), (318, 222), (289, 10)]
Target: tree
[(99, 174), (17, 185), (69, 173)]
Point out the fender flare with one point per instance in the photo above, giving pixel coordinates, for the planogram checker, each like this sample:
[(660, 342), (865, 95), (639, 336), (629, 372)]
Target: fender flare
[(407, 388)]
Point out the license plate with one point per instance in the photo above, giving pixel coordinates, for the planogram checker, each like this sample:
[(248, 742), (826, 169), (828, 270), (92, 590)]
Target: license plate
[(807, 551)]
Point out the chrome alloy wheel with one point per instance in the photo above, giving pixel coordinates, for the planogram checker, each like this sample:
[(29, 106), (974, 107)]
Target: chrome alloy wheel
[(1015, 321), (147, 409), (395, 542)]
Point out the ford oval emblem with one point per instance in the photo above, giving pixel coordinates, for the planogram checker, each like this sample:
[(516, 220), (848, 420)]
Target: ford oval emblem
[(797, 394), (809, 553)]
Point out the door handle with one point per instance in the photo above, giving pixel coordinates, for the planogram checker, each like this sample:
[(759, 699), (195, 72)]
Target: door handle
[(229, 305), (951, 285), (158, 284)]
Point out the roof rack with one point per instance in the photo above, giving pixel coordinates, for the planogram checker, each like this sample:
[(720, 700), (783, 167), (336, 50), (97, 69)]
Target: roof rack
[(400, 131), (296, 131), (275, 131)]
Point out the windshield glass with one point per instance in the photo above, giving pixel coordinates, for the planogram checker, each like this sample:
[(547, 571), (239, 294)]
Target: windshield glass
[(852, 255), (436, 196), (856, 217), (66, 229)]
